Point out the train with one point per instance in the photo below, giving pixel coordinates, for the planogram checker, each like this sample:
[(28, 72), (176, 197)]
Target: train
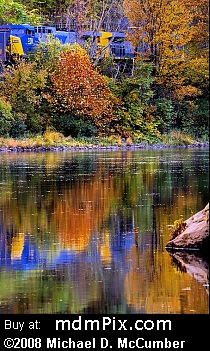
[(17, 41)]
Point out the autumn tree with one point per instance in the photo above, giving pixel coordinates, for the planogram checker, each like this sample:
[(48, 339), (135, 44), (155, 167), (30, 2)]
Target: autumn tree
[(199, 45), (170, 33), (79, 90), (191, 96), (173, 35), (21, 90), (159, 29)]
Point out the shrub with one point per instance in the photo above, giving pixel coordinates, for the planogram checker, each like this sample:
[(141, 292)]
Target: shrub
[(52, 137), (6, 117), (18, 126), (23, 87), (164, 114), (177, 138)]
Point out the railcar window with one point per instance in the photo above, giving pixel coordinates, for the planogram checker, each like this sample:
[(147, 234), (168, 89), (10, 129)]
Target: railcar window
[(17, 31), (38, 29), (118, 40), (118, 51), (42, 30), (29, 32)]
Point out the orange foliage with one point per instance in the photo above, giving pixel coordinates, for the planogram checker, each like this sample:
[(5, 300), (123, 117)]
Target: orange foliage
[(80, 89), (80, 211)]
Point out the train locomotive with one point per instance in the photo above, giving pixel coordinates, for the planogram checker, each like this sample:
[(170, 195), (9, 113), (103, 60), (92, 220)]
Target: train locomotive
[(18, 40)]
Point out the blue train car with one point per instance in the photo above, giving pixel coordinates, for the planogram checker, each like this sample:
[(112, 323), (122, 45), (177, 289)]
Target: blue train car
[(65, 37), (23, 31), (4, 39), (120, 47), (18, 40)]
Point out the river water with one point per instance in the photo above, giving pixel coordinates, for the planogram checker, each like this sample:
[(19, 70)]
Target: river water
[(85, 231)]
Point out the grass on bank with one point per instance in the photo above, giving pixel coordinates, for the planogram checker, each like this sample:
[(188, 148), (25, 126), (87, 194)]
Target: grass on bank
[(55, 139)]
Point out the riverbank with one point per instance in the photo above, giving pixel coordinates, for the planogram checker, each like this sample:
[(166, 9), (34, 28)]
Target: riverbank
[(84, 148), (57, 142), (99, 147)]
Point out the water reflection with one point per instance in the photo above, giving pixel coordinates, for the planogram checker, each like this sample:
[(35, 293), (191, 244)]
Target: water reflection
[(194, 264), (85, 232)]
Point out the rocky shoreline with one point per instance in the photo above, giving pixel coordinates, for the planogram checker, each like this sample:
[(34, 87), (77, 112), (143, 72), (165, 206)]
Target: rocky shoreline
[(98, 147)]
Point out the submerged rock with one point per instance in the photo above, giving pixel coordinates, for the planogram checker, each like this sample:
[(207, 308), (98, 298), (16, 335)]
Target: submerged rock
[(195, 236)]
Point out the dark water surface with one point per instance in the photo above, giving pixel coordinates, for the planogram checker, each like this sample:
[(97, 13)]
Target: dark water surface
[(85, 232)]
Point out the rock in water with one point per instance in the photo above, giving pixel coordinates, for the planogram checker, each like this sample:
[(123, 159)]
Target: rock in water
[(195, 235)]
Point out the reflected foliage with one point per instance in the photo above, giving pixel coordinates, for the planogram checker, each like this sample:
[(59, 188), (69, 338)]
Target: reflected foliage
[(85, 232)]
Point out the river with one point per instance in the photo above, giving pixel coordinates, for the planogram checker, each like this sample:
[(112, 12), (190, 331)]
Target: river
[(85, 231)]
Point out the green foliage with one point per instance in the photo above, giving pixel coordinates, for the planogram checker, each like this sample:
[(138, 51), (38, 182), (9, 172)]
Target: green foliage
[(177, 138), (200, 119), (135, 114), (192, 116), (46, 54), (72, 125), (183, 104), (164, 114), (196, 73), (6, 117), (146, 104), (12, 11), (108, 67), (18, 126), (23, 87)]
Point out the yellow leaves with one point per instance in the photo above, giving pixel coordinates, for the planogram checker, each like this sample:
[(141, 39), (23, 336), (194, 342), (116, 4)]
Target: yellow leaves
[(52, 137), (200, 67), (187, 92), (23, 81), (165, 26)]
